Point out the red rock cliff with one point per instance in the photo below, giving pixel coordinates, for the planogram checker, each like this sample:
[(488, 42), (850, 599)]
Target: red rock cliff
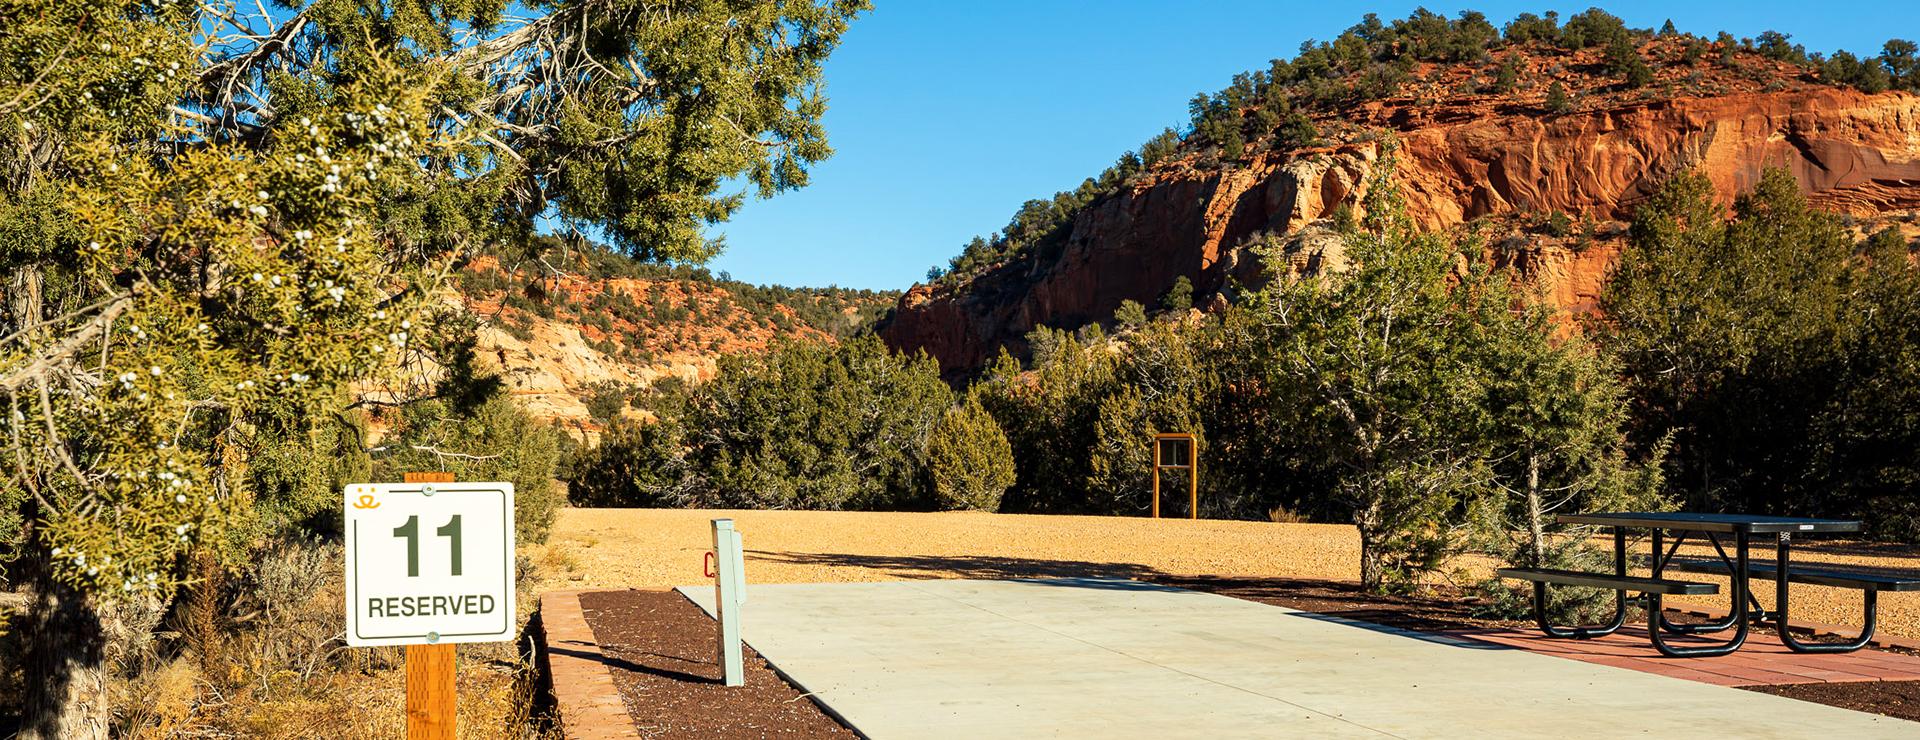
[(1852, 152)]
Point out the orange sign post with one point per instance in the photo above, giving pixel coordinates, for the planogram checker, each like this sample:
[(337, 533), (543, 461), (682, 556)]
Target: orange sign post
[(1177, 451), (431, 697)]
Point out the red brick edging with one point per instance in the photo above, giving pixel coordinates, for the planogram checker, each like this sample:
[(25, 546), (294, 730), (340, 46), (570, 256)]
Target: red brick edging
[(587, 702), (1880, 639)]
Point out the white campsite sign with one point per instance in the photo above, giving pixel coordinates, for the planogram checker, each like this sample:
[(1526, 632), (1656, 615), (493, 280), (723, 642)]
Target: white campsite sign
[(429, 563)]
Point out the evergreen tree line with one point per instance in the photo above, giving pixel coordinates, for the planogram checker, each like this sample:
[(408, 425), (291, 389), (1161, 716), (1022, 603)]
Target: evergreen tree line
[(806, 425), (531, 263), (1767, 362)]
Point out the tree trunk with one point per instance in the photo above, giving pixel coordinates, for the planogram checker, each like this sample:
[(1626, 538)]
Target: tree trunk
[(1536, 528), (66, 637), (1373, 570), (23, 301), (66, 667)]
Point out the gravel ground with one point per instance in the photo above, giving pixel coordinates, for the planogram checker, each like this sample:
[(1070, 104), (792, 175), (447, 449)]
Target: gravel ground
[(651, 548)]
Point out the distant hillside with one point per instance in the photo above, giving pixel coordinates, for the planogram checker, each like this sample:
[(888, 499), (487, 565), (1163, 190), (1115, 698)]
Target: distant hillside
[(1540, 134), (576, 336)]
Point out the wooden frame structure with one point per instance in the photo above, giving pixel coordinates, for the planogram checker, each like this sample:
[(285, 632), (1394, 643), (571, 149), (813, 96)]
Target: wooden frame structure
[(1190, 462)]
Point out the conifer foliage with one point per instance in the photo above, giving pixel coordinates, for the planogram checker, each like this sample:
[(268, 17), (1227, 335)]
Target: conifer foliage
[(1769, 347), (808, 425), (218, 216), (969, 459)]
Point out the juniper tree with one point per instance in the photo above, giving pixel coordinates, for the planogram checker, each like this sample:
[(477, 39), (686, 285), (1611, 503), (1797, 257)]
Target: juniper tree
[(1901, 58), (216, 210), (1376, 371), (1507, 77), (811, 425), (1867, 438), (1555, 440), (1623, 59), (968, 459)]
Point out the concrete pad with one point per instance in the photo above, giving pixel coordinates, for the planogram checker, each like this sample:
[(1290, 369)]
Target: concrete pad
[(1116, 659)]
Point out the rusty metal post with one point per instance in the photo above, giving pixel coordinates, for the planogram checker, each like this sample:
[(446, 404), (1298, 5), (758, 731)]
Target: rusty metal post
[(1193, 479), (1156, 477)]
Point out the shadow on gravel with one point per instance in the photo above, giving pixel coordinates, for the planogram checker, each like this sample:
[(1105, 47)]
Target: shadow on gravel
[(627, 665), (915, 567)]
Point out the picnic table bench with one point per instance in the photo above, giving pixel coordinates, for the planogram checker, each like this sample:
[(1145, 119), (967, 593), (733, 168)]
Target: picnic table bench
[(1738, 568)]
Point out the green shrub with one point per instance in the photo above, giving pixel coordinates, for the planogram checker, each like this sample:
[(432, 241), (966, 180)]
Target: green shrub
[(807, 425), (1179, 298), (969, 459), (1557, 100), (1506, 78), (493, 441)]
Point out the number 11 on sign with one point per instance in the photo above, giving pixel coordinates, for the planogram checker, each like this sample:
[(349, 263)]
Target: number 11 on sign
[(411, 531)]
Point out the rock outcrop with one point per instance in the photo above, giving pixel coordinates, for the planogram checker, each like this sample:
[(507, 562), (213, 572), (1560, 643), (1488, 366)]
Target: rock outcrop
[(559, 339), (1853, 153)]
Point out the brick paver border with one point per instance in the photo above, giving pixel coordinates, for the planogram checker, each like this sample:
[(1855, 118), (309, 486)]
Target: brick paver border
[(587, 702), (1762, 662), (1880, 639)]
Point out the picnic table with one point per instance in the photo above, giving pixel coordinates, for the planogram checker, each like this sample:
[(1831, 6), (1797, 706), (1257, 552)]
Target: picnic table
[(1739, 568)]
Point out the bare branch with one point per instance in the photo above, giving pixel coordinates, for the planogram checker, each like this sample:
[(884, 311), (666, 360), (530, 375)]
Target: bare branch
[(61, 353)]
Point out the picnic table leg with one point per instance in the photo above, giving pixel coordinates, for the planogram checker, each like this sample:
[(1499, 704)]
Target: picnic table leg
[(1780, 610), (1734, 613), (1619, 600), (1739, 638)]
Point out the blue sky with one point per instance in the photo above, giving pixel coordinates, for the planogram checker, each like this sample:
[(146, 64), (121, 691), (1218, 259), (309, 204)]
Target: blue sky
[(947, 115)]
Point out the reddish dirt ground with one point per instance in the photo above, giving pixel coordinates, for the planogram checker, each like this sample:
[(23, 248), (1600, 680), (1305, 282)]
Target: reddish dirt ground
[(1891, 698), (660, 649)]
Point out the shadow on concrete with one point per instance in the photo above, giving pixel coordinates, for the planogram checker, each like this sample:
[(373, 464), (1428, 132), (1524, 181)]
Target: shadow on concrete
[(1104, 584), (1369, 620), (1341, 600), (984, 567)]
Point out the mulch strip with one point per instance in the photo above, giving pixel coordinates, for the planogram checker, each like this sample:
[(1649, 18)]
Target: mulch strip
[(660, 649), (1891, 698)]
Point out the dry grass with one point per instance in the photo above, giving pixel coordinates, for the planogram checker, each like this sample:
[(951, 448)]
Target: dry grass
[(274, 664), (613, 548)]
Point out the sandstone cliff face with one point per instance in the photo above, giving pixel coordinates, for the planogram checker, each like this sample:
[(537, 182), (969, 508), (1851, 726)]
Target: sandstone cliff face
[(589, 334), (1853, 153)]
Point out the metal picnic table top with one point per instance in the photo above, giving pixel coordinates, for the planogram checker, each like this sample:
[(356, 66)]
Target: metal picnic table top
[(1697, 522)]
